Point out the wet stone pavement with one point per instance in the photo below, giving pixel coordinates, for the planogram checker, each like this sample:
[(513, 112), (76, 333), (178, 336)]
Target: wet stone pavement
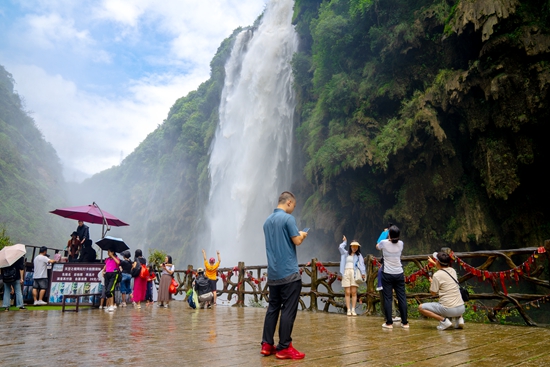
[(228, 336)]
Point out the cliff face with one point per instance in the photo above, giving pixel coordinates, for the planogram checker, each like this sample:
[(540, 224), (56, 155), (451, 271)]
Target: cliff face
[(431, 115), (31, 182)]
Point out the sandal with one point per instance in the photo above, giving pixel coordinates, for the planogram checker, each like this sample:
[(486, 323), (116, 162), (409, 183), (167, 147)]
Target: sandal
[(6, 309)]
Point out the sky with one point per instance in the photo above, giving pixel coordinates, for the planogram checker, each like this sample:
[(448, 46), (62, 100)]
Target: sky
[(99, 76)]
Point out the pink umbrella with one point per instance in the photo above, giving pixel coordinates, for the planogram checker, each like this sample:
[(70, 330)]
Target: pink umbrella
[(89, 214), (10, 254)]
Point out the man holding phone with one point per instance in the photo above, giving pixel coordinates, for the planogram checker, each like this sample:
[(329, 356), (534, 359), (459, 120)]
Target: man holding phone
[(284, 280)]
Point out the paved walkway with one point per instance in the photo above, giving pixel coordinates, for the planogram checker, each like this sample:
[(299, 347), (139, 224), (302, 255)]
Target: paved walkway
[(227, 336)]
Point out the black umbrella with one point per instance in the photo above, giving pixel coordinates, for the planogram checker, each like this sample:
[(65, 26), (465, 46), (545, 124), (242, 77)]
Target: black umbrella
[(113, 244)]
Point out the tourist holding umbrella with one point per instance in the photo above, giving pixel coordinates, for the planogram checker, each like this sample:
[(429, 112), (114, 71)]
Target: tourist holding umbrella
[(12, 265), (112, 274)]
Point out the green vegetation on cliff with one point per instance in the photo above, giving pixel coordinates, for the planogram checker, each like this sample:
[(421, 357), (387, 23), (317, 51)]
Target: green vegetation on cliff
[(429, 114), (31, 182)]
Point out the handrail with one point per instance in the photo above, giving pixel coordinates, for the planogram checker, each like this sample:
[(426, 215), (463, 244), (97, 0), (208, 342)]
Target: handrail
[(251, 281)]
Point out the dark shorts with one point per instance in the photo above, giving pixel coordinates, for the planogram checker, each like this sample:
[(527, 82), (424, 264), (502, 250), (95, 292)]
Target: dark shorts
[(212, 284), (40, 283)]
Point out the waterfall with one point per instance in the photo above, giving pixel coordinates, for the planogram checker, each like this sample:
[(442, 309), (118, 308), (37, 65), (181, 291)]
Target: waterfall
[(250, 158)]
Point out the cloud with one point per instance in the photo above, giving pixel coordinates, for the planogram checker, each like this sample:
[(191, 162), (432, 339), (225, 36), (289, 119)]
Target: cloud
[(90, 131), (100, 76), (53, 33)]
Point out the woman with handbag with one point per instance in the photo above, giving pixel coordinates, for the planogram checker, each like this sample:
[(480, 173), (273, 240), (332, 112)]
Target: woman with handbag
[(140, 283), (393, 277), (165, 280), (352, 268), (448, 311)]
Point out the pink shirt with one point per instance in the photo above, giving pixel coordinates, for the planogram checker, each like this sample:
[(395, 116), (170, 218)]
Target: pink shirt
[(110, 265)]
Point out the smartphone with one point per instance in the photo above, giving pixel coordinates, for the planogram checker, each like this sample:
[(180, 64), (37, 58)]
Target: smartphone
[(305, 230)]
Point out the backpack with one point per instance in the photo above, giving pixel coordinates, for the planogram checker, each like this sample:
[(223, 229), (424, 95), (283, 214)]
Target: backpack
[(144, 272), (9, 274), (190, 299), (136, 271)]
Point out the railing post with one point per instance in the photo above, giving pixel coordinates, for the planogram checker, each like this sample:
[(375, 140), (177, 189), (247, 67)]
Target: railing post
[(240, 286), (313, 287), (370, 284), (189, 277)]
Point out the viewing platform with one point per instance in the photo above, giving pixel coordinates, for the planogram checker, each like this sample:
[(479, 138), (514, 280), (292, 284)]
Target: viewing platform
[(230, 336)]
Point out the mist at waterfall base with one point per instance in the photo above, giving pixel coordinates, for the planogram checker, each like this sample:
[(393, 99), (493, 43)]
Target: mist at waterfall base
[(251, 153)]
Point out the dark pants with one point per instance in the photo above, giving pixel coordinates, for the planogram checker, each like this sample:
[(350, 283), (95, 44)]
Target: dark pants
[(110, 283), (395, 282), (283, 299)]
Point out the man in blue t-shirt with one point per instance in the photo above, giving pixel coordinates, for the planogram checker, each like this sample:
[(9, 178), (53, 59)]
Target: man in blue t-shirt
[(284, 280)]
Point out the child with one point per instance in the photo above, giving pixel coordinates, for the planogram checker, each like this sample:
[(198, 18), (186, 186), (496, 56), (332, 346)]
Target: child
[(150, 283), (102, 280)]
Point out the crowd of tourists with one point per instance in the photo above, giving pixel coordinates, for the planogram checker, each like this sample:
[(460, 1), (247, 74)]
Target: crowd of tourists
[(282, 237)]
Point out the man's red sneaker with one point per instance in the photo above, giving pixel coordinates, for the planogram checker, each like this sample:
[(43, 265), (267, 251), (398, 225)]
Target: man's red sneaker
[(289, 353), (268, 349)]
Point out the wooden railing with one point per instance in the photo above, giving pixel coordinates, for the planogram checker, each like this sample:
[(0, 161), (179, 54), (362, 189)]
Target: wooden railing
[(249, 282)]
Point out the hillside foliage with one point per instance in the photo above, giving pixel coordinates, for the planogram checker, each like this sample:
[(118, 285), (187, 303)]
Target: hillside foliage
[(31, 182), (428, 114)]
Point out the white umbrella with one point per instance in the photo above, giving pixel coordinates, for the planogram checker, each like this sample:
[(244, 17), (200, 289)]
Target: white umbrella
[(10, 254)]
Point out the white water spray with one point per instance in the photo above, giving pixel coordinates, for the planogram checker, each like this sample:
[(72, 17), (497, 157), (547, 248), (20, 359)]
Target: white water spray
[(250, 161)]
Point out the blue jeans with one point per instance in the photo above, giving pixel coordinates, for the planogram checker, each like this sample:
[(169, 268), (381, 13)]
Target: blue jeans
[(125, 283), (18, 294)]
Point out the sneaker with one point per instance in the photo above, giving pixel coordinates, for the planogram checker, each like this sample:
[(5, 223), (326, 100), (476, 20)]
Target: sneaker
[(114, 306), (353, 313), (386, 326), (111, 309), (42, 303), (289, 353), (444, 324), (166, 306), (268, 349), (406, 326), (101, 307), (22, 308), (458, 322), (349, 312), (123, 304), (36, 303)]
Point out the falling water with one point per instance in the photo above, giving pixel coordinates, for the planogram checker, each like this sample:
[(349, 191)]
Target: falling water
[(250, 161)]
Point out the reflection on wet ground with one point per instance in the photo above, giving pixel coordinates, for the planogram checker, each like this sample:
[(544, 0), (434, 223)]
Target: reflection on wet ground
[(228, 336)]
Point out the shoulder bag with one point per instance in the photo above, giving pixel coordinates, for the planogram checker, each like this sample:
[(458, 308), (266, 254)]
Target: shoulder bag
[(357, 276), (463, 291)]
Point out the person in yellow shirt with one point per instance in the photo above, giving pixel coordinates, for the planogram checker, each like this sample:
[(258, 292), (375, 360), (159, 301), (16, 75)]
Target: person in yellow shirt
[(211, 272)]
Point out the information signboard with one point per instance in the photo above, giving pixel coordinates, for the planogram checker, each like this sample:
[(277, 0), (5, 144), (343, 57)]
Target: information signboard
[(74, 278)]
